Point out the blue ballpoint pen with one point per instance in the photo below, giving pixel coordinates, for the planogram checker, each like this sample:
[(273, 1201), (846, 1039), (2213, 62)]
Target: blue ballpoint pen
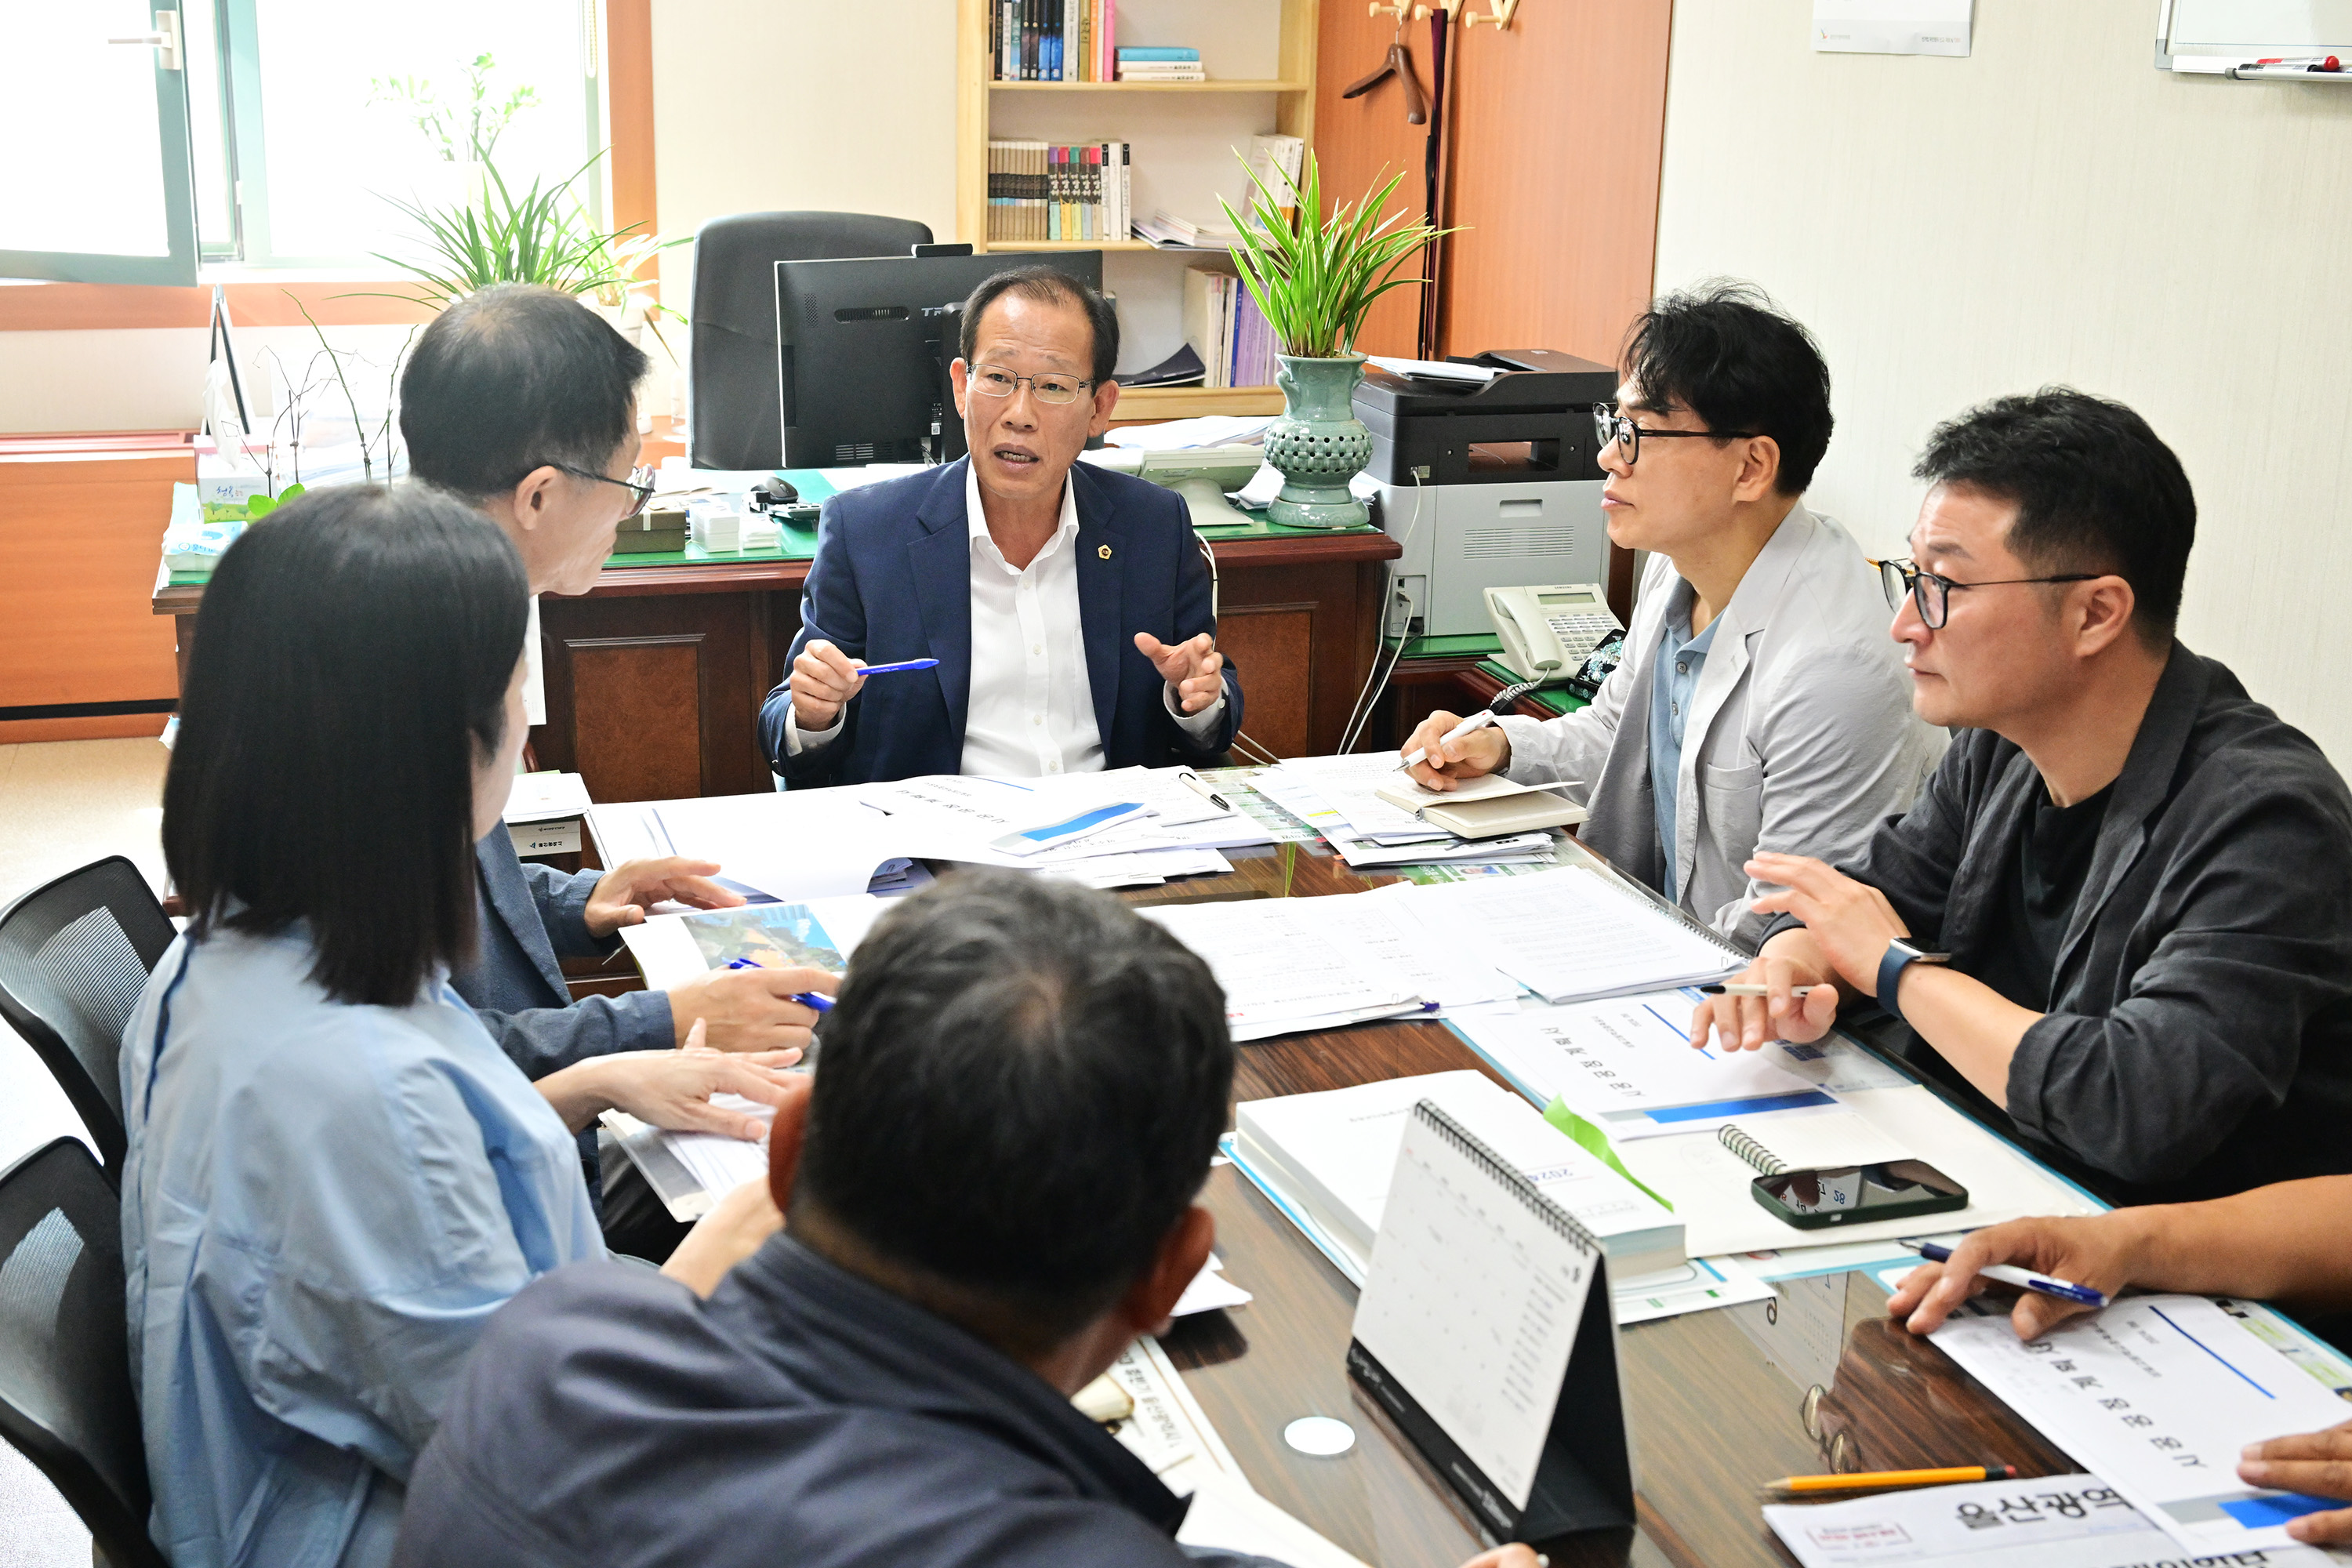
[(815, 1001), (895, 668), (2023, 1279)]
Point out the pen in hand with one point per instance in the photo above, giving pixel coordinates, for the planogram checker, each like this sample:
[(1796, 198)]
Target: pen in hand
[(815, 1001), (2023, 1279)]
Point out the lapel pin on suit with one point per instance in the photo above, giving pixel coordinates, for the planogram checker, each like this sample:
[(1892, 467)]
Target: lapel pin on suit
[(1103, 551)]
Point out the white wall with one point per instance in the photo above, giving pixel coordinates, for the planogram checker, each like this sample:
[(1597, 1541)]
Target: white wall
[(795, 105), (153, 378), (2052, 208)]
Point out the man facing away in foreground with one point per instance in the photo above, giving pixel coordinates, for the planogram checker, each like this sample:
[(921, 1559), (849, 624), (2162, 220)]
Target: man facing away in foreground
[(989, 1195)]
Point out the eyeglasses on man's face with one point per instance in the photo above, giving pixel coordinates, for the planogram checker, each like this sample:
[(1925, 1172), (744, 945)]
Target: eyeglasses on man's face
[(639, 484), (993, 381), (1932, 595), (1619, 428)]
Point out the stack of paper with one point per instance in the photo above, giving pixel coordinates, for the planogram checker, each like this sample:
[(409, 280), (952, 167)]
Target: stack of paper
[(1283, 973), (1329, 1157), (1571, 935), (1337, 797)]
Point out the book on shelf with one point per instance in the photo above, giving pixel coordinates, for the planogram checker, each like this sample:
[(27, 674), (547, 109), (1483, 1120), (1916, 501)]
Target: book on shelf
[(1277, 162), (1054, 40), (1158, 54), (1048, 191), (1224, 326), (1161, 73)]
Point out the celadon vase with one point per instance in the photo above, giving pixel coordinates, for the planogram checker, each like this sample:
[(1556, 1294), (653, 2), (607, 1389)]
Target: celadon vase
[(1318, 444)]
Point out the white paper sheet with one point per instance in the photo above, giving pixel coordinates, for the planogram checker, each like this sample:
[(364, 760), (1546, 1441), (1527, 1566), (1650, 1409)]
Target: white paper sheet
[(1281, 973), (1347, 784), (2157, 1395), (1570, 935), (2057, 1521), (1698, 1285), (544, 798), (1435, 964)]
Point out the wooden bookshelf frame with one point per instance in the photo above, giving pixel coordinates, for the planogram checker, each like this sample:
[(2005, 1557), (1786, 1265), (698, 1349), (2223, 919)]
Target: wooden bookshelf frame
[(1293, 95)]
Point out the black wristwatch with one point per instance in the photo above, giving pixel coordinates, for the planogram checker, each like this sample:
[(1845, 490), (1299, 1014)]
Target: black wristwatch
[(1901, 955)]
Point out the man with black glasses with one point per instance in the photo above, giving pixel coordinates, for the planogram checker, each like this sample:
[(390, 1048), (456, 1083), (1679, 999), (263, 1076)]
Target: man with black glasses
[(2120, 918), (1759, 705), (1069, 610), (522, 402)]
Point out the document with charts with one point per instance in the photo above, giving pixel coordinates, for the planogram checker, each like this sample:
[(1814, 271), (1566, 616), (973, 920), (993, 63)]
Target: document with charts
[(1627, 1066), (2157, 1395)]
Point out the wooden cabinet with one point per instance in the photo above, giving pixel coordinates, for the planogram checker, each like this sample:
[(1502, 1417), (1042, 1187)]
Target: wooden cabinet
[(81, 520), (655, 675)]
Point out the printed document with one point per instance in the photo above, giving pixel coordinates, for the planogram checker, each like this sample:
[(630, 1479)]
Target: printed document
[(2056, 1521), (2157, 1395), (1627, 1066), (1569, 935), (1281, 973)]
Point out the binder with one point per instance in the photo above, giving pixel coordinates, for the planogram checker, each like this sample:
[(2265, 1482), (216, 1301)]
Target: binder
[(1511, 1391)]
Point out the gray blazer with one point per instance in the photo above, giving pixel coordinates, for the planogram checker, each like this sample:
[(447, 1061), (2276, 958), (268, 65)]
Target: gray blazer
[(530, 914), (2199, 1041), (1800, 736)]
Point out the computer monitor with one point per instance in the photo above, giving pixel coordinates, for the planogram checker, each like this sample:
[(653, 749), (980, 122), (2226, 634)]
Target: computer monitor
[(862, 347)]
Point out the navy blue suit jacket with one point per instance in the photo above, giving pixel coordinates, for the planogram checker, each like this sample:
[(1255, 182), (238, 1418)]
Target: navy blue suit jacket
[(892, 580)]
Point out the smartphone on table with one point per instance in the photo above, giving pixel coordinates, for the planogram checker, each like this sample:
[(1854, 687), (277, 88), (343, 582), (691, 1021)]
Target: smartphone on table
[(1817, 1198)]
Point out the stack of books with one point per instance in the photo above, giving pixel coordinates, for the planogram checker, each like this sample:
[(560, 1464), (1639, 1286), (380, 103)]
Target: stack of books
[(1053, 41), (1050, 191), (1224, 326), (1161, 65)]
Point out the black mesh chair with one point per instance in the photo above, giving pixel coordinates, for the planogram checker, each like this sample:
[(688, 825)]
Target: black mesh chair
[(735, 421), (65, 1402), (74, 956)]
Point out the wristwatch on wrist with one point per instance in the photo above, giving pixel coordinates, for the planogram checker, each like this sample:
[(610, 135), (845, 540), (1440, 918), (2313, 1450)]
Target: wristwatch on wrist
[(1900, 955)]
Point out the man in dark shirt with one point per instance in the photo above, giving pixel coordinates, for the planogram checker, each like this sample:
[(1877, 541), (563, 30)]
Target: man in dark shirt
[(2121, 915), (989, 1195)]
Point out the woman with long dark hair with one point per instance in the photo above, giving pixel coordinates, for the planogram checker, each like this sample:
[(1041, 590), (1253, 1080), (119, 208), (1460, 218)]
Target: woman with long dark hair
[(335, 1175)]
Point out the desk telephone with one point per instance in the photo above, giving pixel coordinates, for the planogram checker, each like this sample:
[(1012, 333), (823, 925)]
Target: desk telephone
[(1562, 633)]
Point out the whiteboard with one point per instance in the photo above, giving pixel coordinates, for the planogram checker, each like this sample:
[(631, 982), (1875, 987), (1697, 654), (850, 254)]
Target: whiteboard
[(2209, 34)]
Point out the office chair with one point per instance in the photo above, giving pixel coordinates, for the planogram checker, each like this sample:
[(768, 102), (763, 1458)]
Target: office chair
[(735, 422), (74, 956), (66, 1401)]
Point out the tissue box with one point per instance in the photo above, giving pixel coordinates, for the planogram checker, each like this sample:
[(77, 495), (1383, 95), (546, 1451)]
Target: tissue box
[(223, 487)]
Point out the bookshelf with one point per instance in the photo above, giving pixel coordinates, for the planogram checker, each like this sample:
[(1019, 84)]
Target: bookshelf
[(1180, 131)]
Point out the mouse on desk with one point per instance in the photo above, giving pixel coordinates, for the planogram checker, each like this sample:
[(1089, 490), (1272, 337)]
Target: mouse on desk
[(769, 494)]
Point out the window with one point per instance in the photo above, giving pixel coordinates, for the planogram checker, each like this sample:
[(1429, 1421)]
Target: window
[(98, 185), (285, 130)]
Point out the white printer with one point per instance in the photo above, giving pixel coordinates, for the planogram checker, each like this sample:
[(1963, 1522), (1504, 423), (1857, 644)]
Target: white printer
[(1502, 471)]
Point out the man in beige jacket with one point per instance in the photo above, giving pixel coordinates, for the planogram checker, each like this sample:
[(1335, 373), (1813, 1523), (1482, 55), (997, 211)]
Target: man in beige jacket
[(1761, 704)]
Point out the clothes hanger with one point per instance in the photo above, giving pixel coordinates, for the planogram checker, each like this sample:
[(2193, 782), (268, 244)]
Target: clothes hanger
[(1399, 64)]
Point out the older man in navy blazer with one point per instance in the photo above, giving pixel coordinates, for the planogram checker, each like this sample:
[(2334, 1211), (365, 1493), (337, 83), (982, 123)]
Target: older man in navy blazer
[(1069, 608)]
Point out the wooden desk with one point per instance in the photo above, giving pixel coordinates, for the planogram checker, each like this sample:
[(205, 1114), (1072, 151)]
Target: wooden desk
[(655, 675), (1708, 1415)]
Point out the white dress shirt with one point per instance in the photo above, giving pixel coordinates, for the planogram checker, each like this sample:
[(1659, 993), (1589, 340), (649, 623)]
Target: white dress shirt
[(1030, 705)]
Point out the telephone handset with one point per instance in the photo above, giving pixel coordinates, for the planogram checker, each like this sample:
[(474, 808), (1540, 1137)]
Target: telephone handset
[(1549, 633)]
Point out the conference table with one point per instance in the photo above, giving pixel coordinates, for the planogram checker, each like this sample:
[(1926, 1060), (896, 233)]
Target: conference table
[(1717, 1402)]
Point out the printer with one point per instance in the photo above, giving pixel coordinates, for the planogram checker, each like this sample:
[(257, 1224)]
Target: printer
[(1501, 471)]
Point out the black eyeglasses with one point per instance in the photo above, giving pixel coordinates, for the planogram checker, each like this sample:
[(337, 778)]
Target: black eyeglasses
[(1613, 426), (1933, 594), (639, 484), (990, 381)]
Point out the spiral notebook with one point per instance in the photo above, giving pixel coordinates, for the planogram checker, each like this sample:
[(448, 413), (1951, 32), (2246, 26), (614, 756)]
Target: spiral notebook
[(1821, 1139), (1510, 1389)]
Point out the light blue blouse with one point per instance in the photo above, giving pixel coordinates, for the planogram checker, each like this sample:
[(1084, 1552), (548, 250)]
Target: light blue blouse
[(321, 1206)]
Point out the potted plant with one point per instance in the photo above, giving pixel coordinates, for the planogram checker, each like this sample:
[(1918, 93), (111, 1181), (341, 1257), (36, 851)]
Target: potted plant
[(1313, 279)]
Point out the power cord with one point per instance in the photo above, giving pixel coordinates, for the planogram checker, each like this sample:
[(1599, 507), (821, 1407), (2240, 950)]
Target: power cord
[(1359, 716)]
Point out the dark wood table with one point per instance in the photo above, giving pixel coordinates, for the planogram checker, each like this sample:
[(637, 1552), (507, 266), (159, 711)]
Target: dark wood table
[(655, 675), (1710, 1413)]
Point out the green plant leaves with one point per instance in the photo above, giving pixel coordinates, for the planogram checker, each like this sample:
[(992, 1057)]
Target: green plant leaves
[(539, 236), (1315, 277)]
